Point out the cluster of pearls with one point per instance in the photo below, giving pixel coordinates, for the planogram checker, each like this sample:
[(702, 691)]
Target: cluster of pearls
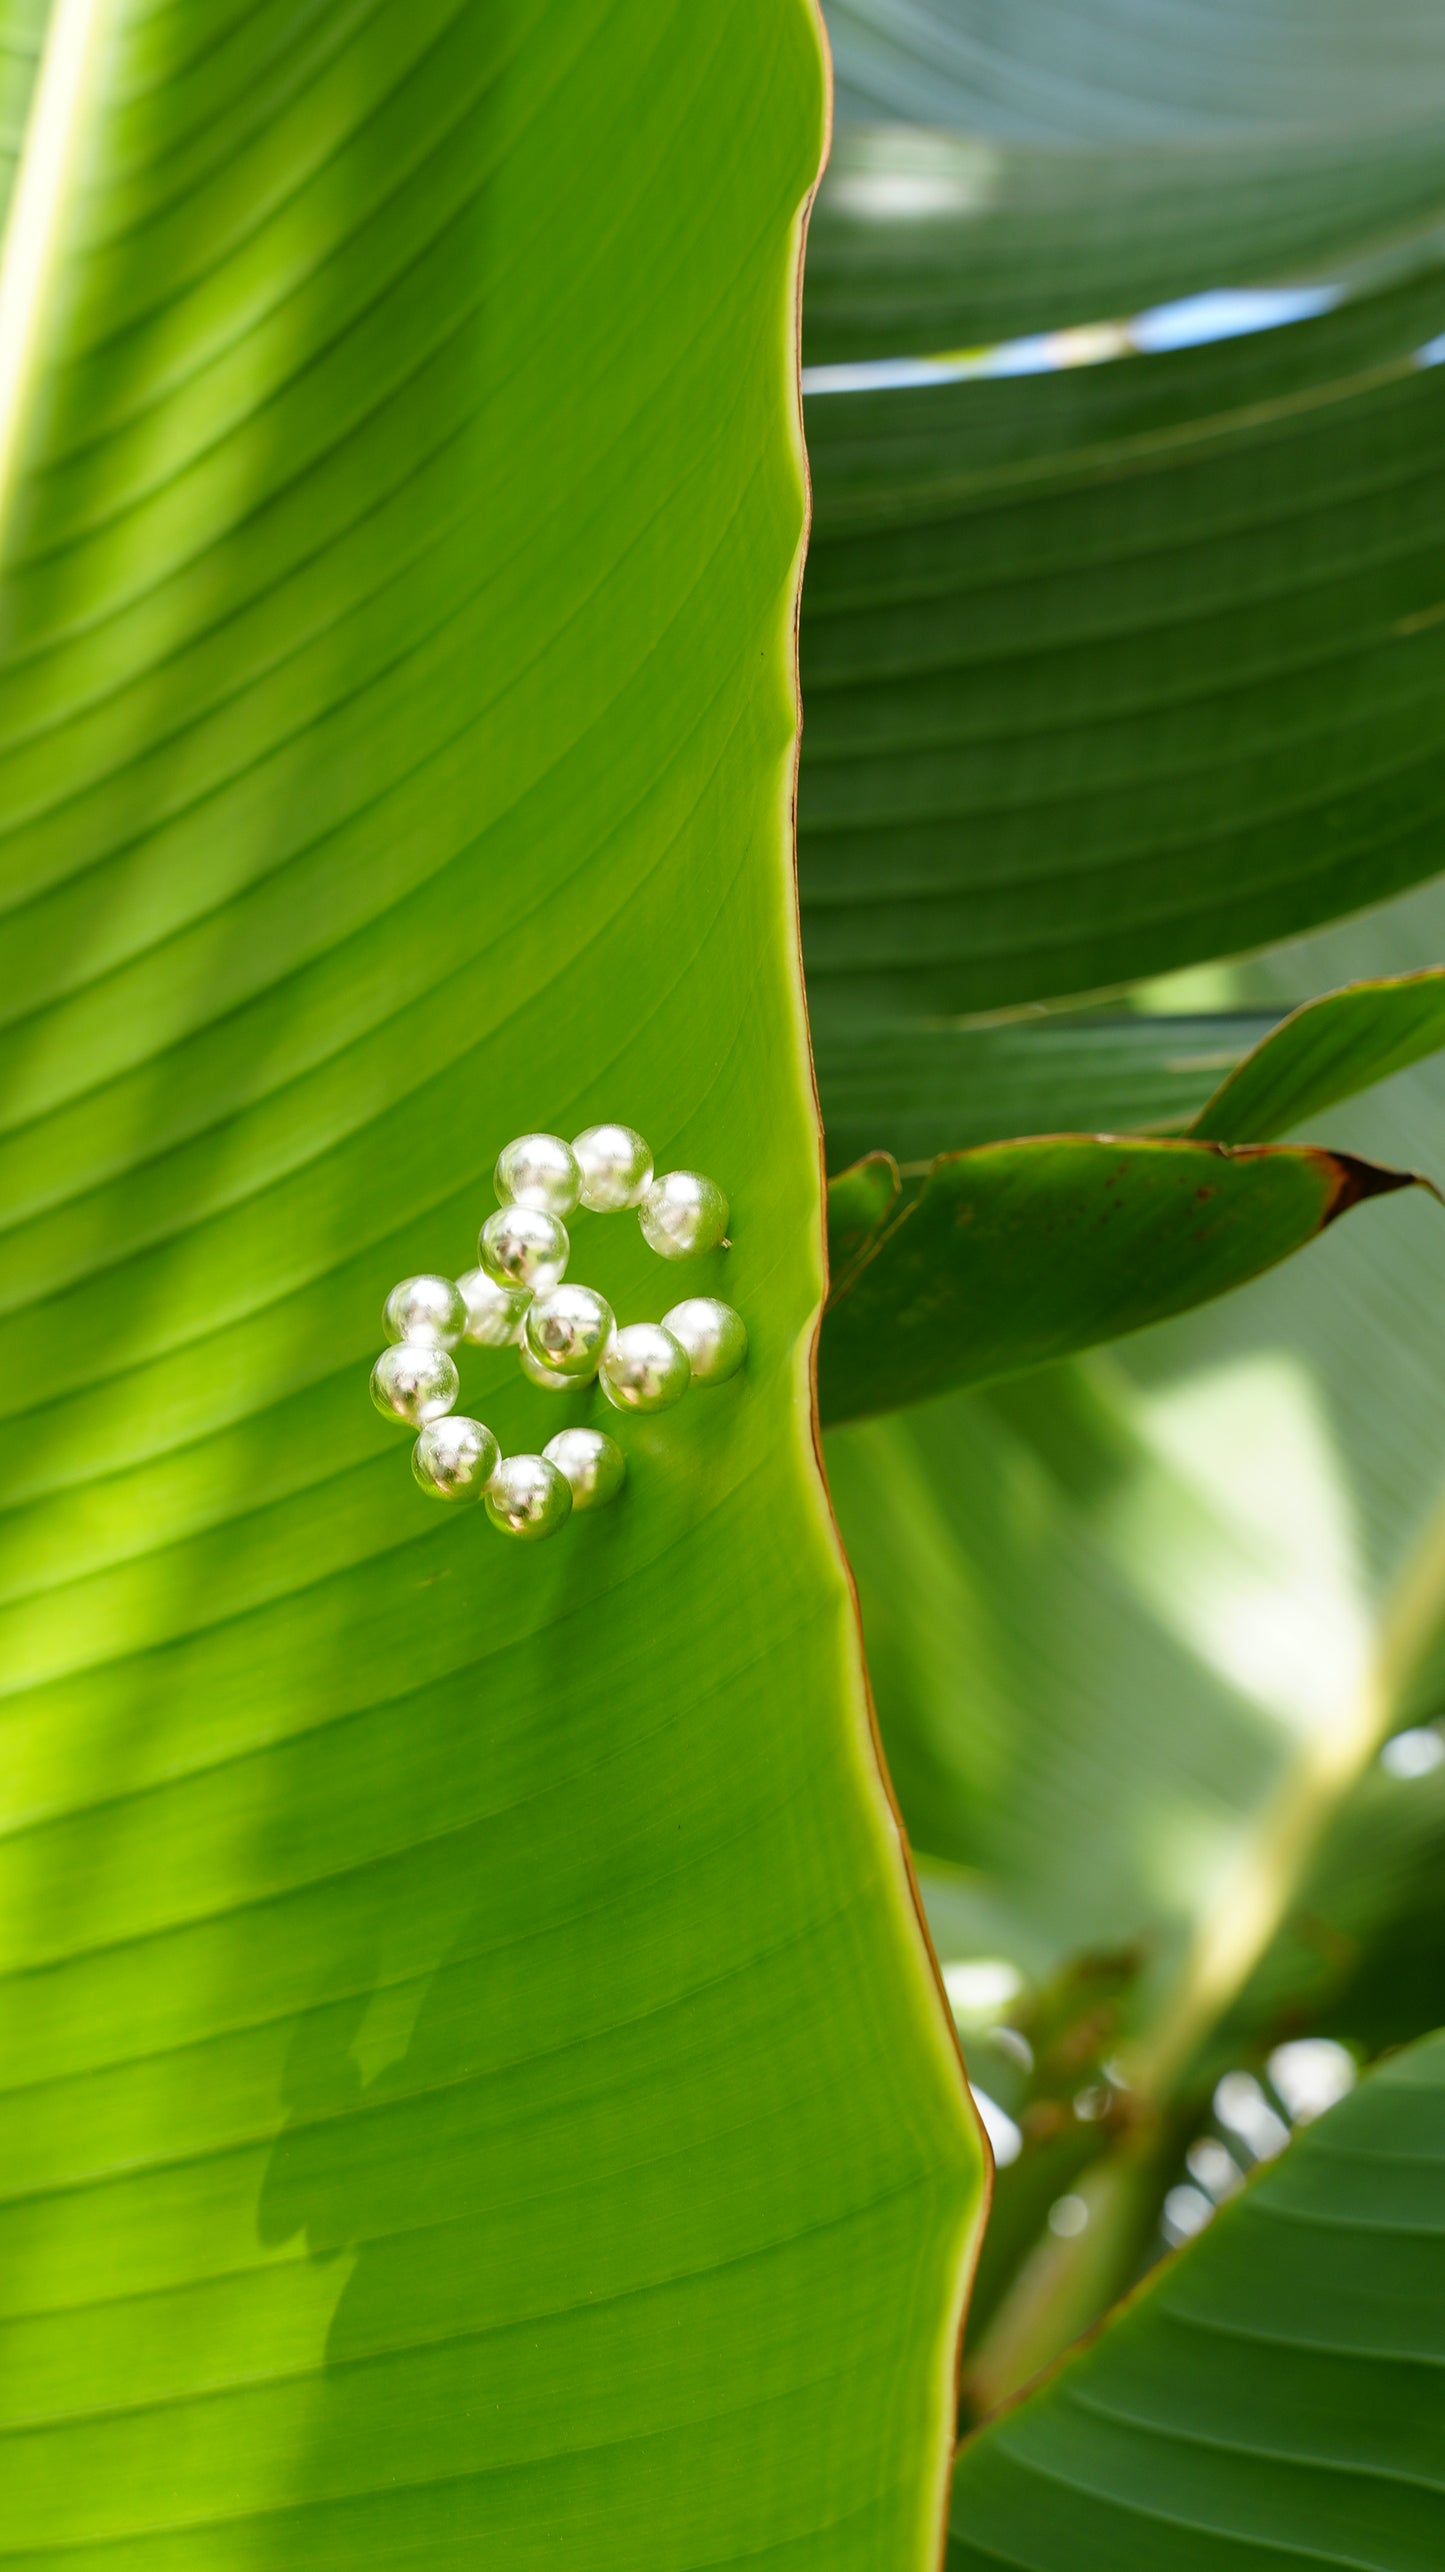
[(566, 1335)]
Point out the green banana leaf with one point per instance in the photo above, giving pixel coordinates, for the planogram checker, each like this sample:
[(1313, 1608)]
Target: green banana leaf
[(1327, 1051), (1014, 1254), (916, 1091), (1114, 670), (1272, 2393), (474, 2083), (858, 1202)]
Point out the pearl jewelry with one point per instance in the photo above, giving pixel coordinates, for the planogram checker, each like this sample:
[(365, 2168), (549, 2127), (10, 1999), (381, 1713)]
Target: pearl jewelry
[(616, 1166), (538, 1170), (525, 1246), (528, 1496), (569, 1329), (413, 1384), (547, 1376), (644, 1368), (494, 1313), (683, 1214), (564, 1335), (594, 1465), (455, 1459), (714, 1336), (428, 1311)]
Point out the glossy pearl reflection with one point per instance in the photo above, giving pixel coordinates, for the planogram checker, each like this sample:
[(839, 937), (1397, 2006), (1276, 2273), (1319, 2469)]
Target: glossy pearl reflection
[(593, 1463), (616, 1166), (714, 1336), (455, 1458), (525, 1246), (683, 1215), (529, 1497), (569, 1329), (413, 1383), (495, 1313), (538, 1170), (644, 1368), (428, 1311)]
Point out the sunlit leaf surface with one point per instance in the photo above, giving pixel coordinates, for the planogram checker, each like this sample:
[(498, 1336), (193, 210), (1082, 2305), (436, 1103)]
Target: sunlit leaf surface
[(473, 2087)]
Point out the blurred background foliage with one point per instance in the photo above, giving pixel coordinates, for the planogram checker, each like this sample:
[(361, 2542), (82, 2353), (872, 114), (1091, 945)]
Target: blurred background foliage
[(1125, 735), (1109, 668)]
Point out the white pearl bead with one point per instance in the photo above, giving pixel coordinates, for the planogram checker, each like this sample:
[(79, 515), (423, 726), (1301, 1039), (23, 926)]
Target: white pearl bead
[(594, 1465), (455, 1459), (525, 1246), (494, 1313), (616, 1166), (428, 1311), (546, 1376), (683, 1214), (413, 1384), (527, 1496), (714, 1336), (538, 1170), (569, 1329), (644, 1368)]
